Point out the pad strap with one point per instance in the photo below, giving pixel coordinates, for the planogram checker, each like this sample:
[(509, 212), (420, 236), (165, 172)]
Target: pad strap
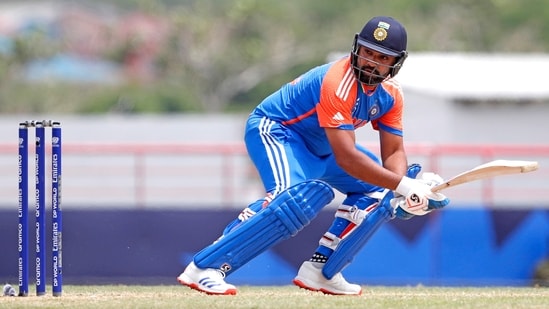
[(351, 213), (329, 240)]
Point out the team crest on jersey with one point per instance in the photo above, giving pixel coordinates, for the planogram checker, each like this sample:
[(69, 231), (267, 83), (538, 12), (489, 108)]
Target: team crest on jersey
[(380, 33), (374, 110)]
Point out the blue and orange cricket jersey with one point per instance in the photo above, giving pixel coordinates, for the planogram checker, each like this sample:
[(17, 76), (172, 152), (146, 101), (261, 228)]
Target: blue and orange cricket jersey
[(329, 96), (285, 134)]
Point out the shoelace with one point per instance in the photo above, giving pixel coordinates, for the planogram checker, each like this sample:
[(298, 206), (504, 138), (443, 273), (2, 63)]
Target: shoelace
[(221, 273), (217, 272)]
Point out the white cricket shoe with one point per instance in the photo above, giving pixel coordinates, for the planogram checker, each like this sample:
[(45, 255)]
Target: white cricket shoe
[(209, 280), (310, 277)]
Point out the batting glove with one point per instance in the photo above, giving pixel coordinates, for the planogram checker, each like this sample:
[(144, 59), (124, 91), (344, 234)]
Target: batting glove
[(417, 197)]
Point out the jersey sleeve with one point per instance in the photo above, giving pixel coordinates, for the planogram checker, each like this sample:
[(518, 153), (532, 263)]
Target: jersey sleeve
[(392, 120), (337, 97)]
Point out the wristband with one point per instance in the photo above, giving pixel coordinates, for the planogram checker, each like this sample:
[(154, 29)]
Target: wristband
[(405, 186)]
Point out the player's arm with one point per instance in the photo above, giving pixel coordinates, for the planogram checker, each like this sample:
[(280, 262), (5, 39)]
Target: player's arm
[(393, 154), (357, 164), (417, 196), (353, 161)]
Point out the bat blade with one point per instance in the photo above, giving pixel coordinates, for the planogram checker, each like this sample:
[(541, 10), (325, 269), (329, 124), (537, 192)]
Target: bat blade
[(488, 170)]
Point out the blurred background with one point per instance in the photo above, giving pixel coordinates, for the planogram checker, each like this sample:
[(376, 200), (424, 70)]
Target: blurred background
[(153, 96)]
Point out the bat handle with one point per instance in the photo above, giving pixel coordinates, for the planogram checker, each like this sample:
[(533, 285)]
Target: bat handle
[(440, 187)]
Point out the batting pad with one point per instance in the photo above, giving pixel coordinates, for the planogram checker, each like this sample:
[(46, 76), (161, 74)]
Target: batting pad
[(287, 214), (349, 246)]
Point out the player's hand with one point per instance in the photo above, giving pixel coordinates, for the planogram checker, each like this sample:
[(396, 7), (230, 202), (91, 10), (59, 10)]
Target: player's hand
[(412, 172), (433, 179), (417, 197)]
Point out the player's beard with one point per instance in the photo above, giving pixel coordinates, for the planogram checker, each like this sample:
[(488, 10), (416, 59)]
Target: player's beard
[(370, 75)]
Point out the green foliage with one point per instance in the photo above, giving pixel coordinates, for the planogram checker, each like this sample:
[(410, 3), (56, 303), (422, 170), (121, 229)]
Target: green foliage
[(228, 55), (140, 99), (246, 101)]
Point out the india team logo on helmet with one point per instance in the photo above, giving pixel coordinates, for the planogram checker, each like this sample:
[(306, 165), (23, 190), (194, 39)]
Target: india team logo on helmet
[(380, 33)]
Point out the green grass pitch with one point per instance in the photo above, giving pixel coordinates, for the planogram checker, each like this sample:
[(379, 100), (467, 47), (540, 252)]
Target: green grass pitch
[(286, 297)]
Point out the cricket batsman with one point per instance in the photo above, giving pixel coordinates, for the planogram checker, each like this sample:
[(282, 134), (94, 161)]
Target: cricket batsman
[(302, 141)]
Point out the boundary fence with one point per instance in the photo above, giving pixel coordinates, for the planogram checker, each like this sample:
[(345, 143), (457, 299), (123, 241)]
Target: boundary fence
[(186, 175)]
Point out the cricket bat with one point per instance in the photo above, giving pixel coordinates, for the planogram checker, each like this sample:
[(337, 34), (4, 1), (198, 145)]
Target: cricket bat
[(488, 170)]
